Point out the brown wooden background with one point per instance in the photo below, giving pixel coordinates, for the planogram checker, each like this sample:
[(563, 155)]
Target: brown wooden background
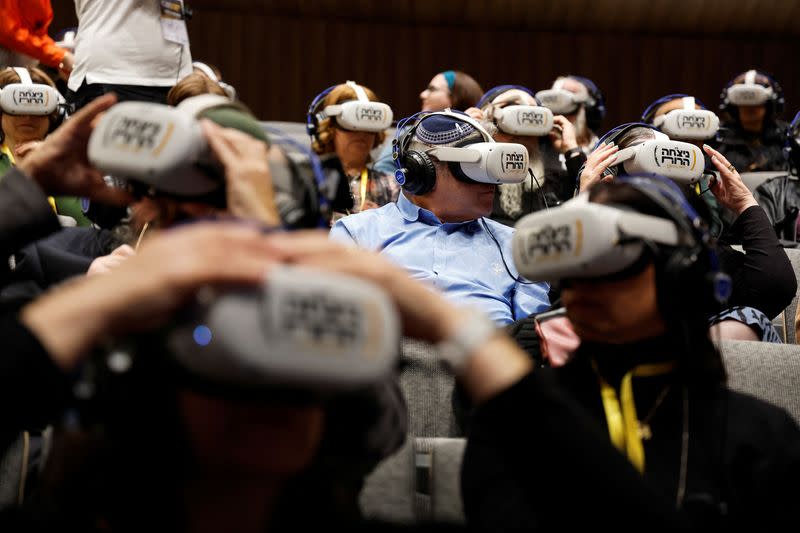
[(280, 53)]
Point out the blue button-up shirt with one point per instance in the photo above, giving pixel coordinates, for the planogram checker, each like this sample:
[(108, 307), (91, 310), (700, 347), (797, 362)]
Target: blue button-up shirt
[(461, 259)]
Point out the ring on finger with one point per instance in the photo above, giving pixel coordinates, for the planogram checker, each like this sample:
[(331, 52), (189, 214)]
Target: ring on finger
[(731, 168)]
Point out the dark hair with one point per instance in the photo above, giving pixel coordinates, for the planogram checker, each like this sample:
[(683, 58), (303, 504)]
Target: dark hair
[(465, 93), (685, 298)]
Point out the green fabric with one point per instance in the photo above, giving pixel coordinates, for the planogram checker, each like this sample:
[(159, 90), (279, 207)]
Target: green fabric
[(71, 206), (5, 164), (231, 117)]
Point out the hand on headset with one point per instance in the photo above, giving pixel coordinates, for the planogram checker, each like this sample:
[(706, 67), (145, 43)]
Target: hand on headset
[(475, 113), (248, 179), (598, 162), (60, 165), (425, 314), (106, 263), (145, 290), (729, 190), (563, 135)]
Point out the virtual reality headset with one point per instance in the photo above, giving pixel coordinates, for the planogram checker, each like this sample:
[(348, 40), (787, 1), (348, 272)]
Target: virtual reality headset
[(488, 162), (533, 121), (580, 239), (679, 161), (749, 93), (28, 98), (362, 114), (688, 123), (303, 330), (560, 101), (159, 146)]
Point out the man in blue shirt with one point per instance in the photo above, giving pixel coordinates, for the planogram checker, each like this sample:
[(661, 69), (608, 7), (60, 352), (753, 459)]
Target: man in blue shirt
[(438, 230)]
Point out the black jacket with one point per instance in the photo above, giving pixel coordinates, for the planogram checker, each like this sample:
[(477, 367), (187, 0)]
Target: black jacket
[(780, 198), (750, 152), (743, 460)]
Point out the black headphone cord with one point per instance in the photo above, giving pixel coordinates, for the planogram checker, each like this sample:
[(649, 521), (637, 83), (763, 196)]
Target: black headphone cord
[(503, 257)]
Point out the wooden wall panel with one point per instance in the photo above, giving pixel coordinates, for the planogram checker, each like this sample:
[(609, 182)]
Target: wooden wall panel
[(280, 54)]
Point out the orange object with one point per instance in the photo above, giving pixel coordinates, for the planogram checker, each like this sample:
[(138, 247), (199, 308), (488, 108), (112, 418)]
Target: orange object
[(23, 29)]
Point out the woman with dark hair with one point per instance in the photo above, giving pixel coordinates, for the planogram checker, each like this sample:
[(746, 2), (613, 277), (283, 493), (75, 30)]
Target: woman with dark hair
[(648, 375)]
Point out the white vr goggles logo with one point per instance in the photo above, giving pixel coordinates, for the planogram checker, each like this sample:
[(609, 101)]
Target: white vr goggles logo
[(679, 161), (694, 124), (749, 94), (488, 162), (305, 328), (559, 101), (28, 99), (580, 239), (358, 115), (533, 121), (154, 144)]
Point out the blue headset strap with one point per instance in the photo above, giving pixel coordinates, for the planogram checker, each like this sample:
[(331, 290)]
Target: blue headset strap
[(652, 108), (614, 132), (494, 92), (312, 110)]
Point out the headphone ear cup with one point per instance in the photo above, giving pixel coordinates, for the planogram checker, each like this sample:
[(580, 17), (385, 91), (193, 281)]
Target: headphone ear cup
[(420, 172)]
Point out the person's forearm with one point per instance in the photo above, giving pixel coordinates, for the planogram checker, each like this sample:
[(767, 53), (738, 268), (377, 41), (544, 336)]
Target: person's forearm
[(493, 368), (70, 319)]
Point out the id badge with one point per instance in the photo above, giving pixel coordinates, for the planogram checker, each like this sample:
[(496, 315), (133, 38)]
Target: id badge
[(173, 24)]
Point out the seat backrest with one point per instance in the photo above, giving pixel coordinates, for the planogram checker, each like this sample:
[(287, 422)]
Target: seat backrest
[(767, 371), (753, 179), (419, 483), (791, 312), (428, 389)]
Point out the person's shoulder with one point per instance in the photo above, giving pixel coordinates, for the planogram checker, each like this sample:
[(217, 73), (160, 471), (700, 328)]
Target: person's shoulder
[(498, 229), (757, 416)]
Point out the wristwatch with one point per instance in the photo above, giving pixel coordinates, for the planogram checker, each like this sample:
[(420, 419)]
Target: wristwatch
[(473, 332)]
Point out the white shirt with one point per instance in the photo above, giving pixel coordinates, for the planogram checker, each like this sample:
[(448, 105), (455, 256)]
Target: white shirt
[(120, 42)]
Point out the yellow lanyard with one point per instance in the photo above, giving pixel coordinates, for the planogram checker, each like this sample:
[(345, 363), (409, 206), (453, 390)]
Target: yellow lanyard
[(7, 151), (364, 176), (623, 423)]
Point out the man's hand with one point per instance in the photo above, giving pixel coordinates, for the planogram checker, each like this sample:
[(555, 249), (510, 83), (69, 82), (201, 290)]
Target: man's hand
[(59, 164), (729, 190), (598, 161), (144, 291), (248, 179)]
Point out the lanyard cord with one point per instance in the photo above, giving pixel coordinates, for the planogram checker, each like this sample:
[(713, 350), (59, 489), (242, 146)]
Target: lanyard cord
[(364, 179), (624, 427)]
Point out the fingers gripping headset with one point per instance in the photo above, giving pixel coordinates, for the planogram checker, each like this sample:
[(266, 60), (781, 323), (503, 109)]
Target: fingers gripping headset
[(581, 239)]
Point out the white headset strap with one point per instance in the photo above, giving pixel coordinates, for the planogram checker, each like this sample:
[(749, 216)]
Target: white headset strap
[(361, 94), (750, 77), (688, 103), (24, 75), (205, 69)]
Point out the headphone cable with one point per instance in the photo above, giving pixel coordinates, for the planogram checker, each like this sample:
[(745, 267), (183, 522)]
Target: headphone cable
[(503, 257)]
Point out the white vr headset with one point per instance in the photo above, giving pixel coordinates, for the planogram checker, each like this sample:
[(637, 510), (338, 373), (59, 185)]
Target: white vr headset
[(362, 114), (580, 239), (28, 98), (679, 161), (527, 120), (488, 161), (158, 145), (749, 93), (688, 123), (304, 329)]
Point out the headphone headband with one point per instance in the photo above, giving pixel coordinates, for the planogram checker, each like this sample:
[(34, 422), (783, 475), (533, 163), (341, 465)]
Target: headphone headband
[(494, 92), (648, 114)]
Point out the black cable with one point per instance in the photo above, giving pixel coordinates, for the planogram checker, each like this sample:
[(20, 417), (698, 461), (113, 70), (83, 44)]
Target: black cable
[(503, 257), (544, 198)]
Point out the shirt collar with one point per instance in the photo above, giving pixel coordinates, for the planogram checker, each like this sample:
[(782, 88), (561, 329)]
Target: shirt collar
[(412, 212)]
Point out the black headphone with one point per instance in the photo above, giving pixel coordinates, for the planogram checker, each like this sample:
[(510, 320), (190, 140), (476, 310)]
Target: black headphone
[(684, 274), (416, 172), (775, 104)]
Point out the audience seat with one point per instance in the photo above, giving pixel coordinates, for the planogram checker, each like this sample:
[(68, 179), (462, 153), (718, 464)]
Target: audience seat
[(753, 179)]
